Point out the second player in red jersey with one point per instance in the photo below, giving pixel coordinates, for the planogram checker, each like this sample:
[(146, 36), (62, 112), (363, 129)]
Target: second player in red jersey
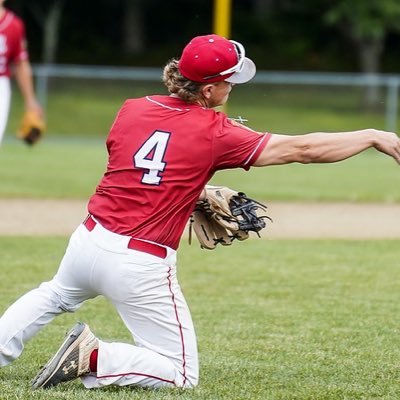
[(13, 52)]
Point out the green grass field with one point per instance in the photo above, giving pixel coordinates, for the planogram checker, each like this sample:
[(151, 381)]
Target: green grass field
[(288, 319), (274, 319)]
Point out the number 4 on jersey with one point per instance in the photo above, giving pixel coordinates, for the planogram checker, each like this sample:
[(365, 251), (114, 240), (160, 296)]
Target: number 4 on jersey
[(150, 157)]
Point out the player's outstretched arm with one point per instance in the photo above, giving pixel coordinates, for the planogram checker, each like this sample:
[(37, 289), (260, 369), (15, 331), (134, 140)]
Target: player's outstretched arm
[(321, 147)]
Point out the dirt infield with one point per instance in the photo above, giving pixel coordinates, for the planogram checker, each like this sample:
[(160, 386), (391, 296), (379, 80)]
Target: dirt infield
[(291, 220)]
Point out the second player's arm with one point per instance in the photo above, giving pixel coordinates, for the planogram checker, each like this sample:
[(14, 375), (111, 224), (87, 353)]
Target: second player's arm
[(320, 147), (23, 76)]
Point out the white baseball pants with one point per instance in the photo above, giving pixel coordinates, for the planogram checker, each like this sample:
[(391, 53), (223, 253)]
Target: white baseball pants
[(146, 294), (5, 98)]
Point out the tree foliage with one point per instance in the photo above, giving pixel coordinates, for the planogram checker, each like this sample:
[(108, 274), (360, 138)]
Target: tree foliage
[(367, 24), (366, 19), (280, 34)]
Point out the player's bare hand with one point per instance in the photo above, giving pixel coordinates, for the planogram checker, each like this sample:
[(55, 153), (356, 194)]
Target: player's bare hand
[(388, 143), (34, 105)]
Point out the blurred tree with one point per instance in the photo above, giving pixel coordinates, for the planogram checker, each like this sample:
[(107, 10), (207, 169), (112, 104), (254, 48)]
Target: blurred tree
[(287, 34), (279, 34), (133, 27), (263, 7), (45, 15), (367, 24), (48, 17)]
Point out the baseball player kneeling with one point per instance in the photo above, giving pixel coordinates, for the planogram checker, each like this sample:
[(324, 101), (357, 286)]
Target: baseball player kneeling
[(163, 150)]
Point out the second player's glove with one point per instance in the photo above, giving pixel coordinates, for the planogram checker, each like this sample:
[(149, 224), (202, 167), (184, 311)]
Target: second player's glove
[(31, 128)]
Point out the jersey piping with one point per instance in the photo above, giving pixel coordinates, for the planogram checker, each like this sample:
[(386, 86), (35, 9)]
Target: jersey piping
[(165, 106)]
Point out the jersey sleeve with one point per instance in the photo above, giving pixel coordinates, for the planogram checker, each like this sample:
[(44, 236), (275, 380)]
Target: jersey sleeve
[(20, 52), (236, 145)]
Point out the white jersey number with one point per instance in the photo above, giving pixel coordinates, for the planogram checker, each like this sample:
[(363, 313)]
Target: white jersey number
[(150, 157)]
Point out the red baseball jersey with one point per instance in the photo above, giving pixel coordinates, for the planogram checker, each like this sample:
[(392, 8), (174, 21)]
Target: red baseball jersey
[(162, 152), (12, 42)]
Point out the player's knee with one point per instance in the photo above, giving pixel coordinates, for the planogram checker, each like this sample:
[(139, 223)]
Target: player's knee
[(11, 351)]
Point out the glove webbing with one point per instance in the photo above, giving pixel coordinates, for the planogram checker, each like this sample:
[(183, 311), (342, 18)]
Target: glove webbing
[(246, 208)]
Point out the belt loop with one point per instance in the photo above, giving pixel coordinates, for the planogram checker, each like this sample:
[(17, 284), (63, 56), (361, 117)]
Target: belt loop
[(89, 223)]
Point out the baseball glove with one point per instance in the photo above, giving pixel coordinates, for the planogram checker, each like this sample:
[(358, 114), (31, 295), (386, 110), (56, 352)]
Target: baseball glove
[(31, 128), (225, 215)]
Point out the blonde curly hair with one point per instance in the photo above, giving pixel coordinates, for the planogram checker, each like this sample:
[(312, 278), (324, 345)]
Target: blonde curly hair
[(177, 84)]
